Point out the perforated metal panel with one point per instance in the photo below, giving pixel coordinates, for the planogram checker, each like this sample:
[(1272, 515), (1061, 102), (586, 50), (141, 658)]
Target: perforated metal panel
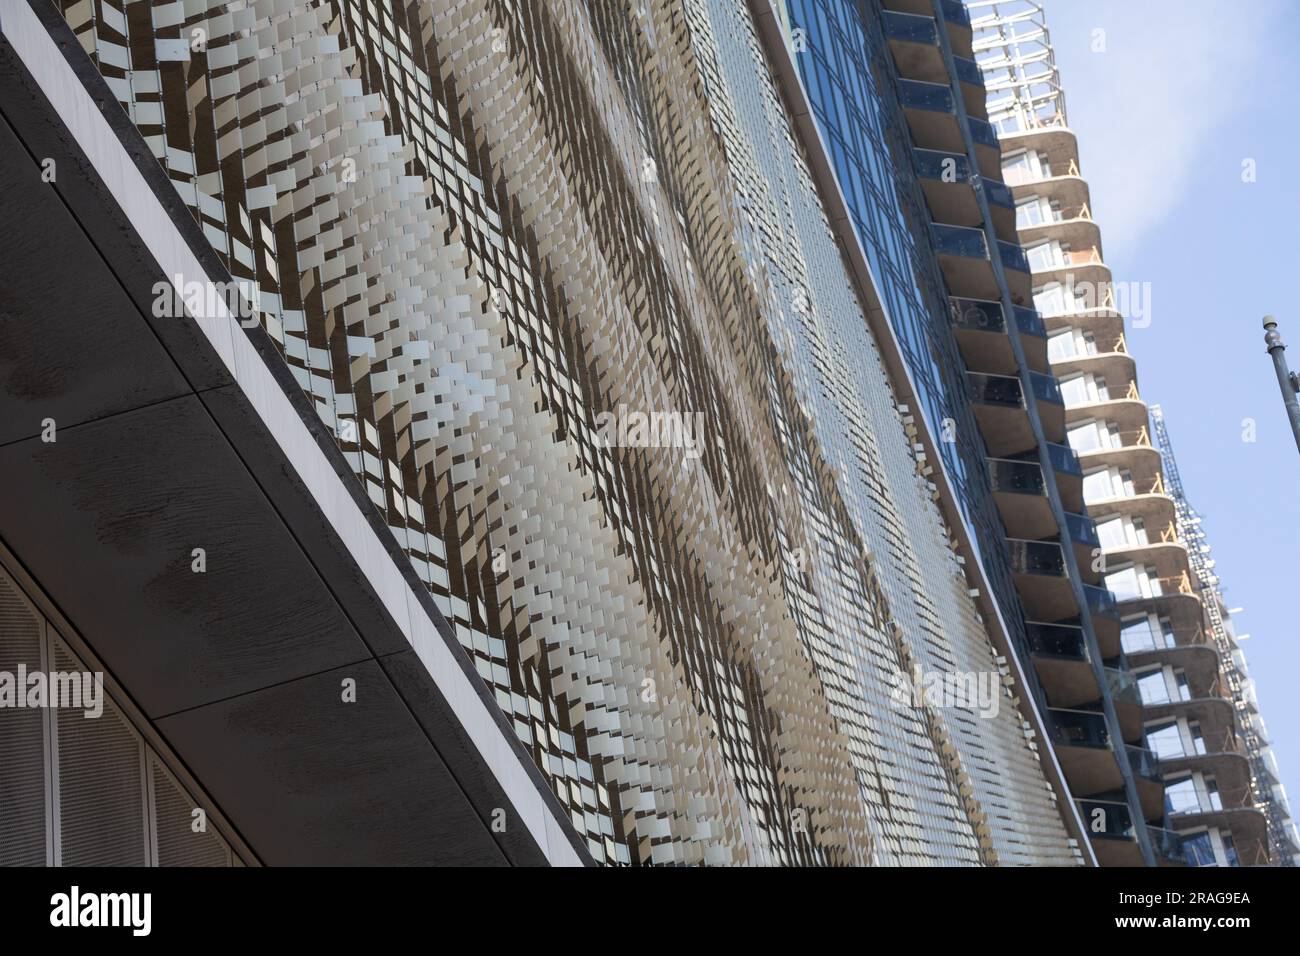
[(23, 805), (78, 790), (101, 784), (177, 842)]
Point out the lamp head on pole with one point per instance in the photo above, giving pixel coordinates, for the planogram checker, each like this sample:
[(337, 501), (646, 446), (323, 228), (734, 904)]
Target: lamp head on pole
[(1272, 337)]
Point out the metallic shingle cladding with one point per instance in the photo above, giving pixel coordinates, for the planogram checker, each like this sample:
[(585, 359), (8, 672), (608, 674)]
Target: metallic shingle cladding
[(478, 229)]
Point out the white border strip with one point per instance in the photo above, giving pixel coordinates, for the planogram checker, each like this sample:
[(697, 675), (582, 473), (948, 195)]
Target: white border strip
[(152, 223)]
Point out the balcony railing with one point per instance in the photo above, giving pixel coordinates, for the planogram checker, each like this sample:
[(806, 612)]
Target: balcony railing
[(920, 95), (1101, 602), (1013, 257), (1002, 390), (1064, 460), (977, 315), (1046, 388), (1167, 844), (1036, 557), (968, 71), (1029, 322), (1123, 687), (911, 27), (1144, 762), (999, 194), (1057, 640), (955, 12), (959, 241), (982, 133), (938, 164), (1016, 477), (1083, 530), (1108, 819), (1077, 728)]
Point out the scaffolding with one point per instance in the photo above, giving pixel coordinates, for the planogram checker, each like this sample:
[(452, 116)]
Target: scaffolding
[(1266, 792), (1013, 49)]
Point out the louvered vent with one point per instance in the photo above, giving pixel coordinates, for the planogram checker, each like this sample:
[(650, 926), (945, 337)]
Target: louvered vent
[(22, 739), (176, 842), (101, 784)]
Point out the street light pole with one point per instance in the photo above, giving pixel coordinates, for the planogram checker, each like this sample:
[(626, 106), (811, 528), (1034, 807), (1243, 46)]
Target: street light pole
[(1286, 379)]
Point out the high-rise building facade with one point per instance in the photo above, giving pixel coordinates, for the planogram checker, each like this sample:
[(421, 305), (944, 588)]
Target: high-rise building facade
[(897, 94), (487, 447), (1183, 718), (1215, 825)]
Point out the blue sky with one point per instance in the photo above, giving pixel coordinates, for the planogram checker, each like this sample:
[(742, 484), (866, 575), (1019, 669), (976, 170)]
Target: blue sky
[(1181, 95)]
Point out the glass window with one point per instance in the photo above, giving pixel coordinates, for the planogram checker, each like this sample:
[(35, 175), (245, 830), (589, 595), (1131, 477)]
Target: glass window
[(1127, 584), (1229, 850), (1029, 212), (1154, 688), (1061, 345), (1180, 796), (1075, 390), (1139, 635), (1166, 741), (1198, 849), (1111, 534), (1085, 437), (1044, 256)]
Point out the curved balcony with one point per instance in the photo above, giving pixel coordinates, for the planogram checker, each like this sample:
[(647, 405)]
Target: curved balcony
[(1059, 653), (1070, 191), (1169, 558), (1199, 663), (1072, 226), (1214, 713), (1139, 459), (1101, 320), (1247, 825), (1038, 569), (1058, 143), (1117, 368), (1130, 414), (1181, 607), (1227, 764), (1155, 508), (1077, 269)]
